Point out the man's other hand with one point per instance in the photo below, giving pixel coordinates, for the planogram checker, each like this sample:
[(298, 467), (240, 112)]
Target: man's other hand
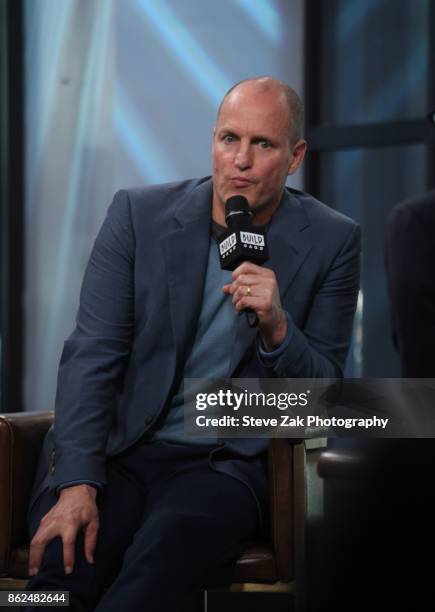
[(76, 509), (256, 287)]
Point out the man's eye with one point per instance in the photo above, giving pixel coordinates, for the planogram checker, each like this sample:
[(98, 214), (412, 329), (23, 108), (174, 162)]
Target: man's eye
[(228, 138), (264, 144)]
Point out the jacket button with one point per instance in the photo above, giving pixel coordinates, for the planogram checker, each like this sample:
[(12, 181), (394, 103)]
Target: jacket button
[(52, 462)]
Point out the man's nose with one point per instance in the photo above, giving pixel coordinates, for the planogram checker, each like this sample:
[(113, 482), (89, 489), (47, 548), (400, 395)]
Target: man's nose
[(243, 158)]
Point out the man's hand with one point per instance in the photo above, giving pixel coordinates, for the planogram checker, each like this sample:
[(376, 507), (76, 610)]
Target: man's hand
[(255, 287), (76, 509)]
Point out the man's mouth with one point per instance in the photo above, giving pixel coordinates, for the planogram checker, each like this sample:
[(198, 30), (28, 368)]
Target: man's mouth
[(240, 181)]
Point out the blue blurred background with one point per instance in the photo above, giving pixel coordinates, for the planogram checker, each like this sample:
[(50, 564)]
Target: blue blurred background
[(120, 93)]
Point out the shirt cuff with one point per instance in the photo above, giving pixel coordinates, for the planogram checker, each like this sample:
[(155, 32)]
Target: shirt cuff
[(72, 483), (268, 358)]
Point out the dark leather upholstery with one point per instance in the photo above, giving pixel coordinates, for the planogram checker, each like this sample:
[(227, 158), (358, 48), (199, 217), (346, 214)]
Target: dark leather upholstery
[(21, 436)]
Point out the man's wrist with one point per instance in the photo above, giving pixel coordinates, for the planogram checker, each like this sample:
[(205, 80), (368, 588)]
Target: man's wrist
[(90, 489), (273, 338)]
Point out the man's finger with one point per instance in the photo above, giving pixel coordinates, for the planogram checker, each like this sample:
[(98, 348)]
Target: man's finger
[(69, 541), (249, 302), (247, 267), (37, 548), (250, 279), (255, 291), (91, 533)]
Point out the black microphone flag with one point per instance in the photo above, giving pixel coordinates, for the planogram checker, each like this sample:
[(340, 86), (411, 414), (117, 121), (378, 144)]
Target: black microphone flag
[(242, 241)]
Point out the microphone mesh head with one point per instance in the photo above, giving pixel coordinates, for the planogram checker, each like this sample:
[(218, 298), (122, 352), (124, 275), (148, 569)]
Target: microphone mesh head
[(235, 206)]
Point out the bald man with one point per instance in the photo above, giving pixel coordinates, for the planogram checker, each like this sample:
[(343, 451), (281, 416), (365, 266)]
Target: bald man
[(122, 497)]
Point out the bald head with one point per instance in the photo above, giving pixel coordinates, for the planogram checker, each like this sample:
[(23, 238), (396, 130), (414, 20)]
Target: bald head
[(256, 145), (291, 100)]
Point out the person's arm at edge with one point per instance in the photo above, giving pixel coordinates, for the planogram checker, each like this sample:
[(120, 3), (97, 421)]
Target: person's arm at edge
[(91, 368)]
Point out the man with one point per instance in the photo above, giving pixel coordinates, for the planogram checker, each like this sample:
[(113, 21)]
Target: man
[(156, 308), (410, 254)]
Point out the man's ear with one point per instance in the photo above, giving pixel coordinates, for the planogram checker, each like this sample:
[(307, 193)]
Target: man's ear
[(298, 155)]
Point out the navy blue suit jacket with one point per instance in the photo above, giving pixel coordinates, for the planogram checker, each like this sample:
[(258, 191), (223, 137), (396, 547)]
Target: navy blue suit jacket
[(139, 306)]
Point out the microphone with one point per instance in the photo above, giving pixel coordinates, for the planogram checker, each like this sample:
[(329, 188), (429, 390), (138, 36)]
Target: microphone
[(242, 242)]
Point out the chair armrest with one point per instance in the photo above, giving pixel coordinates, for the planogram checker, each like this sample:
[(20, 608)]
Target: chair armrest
[(341, 464), (287, 502), (21, 437)]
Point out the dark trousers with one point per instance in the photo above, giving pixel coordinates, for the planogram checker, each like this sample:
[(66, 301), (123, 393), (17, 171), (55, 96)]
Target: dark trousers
[(167, 520)]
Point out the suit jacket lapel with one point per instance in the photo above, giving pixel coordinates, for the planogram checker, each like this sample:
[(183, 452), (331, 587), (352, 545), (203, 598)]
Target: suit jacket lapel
[(186, 254), (289, 242)]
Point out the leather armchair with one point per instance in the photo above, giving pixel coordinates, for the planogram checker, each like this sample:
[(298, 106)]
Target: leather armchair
[(276, 561)]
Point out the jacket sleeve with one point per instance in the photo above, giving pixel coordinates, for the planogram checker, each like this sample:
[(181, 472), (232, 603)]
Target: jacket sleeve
[(319, 349), (95, 355)]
